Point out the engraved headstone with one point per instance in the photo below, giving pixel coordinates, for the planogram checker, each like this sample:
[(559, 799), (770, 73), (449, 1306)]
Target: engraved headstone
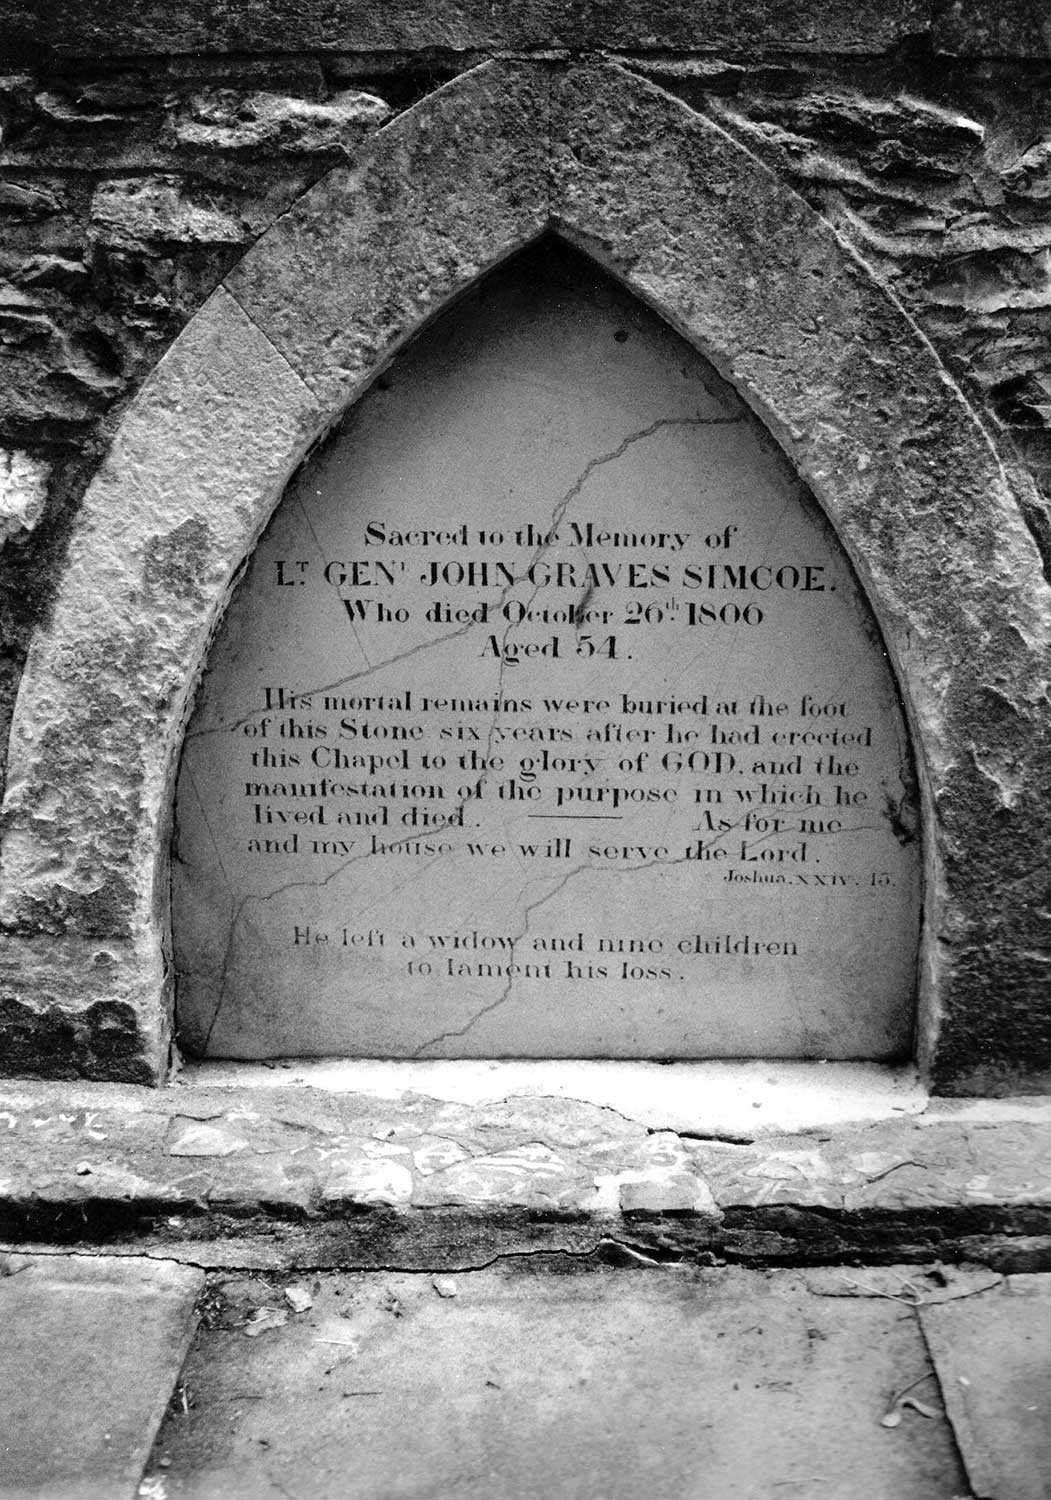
[(547, 720)]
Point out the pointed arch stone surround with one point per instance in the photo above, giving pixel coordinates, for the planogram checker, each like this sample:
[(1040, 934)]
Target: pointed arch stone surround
[(709, 237)]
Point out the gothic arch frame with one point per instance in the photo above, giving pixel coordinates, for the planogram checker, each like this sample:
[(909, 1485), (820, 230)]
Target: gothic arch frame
[(709, 237)]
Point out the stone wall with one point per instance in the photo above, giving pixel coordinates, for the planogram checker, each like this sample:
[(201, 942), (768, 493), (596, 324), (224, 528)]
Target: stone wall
[(127, 192), (141, 155)]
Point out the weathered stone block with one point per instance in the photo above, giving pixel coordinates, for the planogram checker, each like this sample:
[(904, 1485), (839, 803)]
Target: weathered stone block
[(23, 492), (20, 201), (401, 231), (137, 210), (260, 122)]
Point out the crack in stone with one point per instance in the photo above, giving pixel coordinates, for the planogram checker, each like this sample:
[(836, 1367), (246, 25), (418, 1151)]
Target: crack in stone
[(506, 991), (342, 682), (960, 1446), (724, 1139), (660, 864), (211, 836), (649, 864), (638, 1255), (602, 459), (557, 514), (321, 557), (345, 864)]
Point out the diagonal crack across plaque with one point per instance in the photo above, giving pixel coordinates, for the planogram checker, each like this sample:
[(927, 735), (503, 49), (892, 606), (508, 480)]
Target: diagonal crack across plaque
[(558, 512)]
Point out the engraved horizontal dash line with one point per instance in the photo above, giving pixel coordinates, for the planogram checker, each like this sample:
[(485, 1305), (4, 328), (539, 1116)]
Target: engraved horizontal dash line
[(582, 817)]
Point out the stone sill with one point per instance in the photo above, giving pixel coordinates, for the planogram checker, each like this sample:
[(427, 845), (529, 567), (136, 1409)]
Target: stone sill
[(724, 1100), (403, 1165)]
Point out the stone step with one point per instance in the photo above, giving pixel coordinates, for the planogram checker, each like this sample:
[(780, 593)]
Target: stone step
[(289, 1173)]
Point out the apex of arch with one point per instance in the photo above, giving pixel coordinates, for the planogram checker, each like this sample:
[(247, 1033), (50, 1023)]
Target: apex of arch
[(477, 170)]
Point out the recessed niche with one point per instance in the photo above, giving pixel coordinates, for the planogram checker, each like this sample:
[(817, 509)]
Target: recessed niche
[(547, 719)]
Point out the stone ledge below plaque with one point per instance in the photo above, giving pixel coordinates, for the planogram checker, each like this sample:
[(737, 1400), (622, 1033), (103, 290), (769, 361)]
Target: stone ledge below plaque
[(453, 1165)]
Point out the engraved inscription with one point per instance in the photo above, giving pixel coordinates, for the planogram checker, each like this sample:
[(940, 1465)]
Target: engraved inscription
[(548, 719)]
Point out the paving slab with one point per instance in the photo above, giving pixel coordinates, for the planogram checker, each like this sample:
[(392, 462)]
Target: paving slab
[(539, 1378), (993, 1357), (90, 1353)]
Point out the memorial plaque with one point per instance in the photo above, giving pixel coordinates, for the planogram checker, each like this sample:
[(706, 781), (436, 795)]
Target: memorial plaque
[(547, 720)]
